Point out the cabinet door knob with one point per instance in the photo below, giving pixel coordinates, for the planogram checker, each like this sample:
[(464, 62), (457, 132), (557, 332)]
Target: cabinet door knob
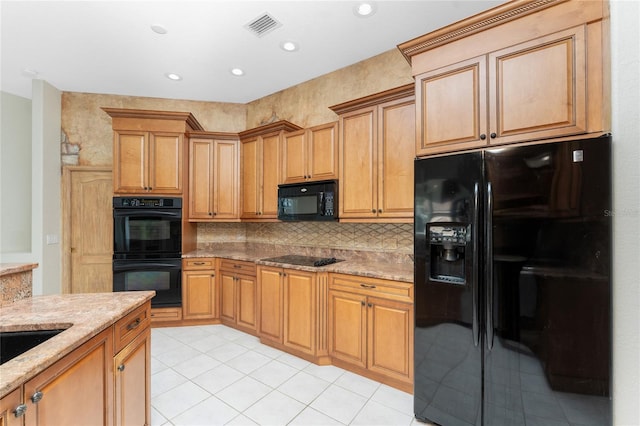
[(37, 396), (493, 135), (483, 136), (379, 210), (362, 302), (121, 367), (373, 210), (210, 214), (20, 410), (370, 305)]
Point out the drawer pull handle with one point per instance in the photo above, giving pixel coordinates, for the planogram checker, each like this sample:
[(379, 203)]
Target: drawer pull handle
[(199, 263), (121, 367), (134, 324), (20, 410), (36, 397), (367, 285), (237, 266)]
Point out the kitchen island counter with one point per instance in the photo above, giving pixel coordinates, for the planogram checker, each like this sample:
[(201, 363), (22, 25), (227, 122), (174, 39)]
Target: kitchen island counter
[(83, 316)]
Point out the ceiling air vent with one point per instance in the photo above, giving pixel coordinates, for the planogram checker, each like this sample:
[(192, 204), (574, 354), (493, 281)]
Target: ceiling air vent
[(262, 25)]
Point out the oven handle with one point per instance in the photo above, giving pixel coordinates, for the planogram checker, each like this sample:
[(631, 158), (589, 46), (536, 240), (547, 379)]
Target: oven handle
[(128, 266), (142, 213)]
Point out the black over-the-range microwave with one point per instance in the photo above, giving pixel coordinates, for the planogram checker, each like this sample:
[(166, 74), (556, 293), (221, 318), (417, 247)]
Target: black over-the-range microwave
[(311, 201)]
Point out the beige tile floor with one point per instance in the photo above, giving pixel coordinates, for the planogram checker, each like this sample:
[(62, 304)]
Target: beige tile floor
[(216, 375)]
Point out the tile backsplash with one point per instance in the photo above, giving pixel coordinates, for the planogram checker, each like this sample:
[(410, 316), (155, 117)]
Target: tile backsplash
[(395, 237)]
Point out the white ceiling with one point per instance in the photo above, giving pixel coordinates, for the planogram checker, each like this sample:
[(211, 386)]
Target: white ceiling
[(109, 47)]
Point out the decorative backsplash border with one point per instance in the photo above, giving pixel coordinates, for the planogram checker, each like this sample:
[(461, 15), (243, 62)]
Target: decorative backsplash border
[(384, 237)]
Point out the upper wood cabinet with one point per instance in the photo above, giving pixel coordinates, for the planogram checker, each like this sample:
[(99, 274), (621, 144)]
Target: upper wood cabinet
[(261, 165), (377, 145), (214, 187), (149, 152), (310, 154), (512, 74)]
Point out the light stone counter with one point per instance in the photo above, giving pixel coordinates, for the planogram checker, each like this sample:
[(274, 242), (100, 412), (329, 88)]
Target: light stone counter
[(384, 265), (85, 314), (16, 281)]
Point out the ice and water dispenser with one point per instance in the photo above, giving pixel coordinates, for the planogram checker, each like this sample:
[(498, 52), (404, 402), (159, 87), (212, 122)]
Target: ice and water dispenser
[(447, 243)]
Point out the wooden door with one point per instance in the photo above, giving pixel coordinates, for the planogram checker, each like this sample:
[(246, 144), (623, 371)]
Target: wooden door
[(246, 299), (76, 390), (537, 89), (390, 329), (294, 157), (452, 107), (226, 169), (358, 170), (271, 175), (88, 230), (132, 371), (200, 178), (322, 148), (348, 327), (396, 146), (8, 405), (250, 172), (198, 295), (300, 310), (227, 297), (270, 300), (130, 162), (165, 163)]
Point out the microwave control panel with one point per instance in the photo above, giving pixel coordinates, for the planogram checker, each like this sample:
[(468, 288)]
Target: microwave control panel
[(327, 209)]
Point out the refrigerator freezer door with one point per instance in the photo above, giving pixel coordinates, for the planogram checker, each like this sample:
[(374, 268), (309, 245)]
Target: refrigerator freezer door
[(550, 290), (448, 351)]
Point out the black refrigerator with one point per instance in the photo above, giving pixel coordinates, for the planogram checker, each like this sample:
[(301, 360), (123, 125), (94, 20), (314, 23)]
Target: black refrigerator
[(513, 285)]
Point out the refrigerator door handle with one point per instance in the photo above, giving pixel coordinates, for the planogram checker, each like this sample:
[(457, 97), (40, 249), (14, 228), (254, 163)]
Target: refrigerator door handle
[(489, 266), (474, 284)]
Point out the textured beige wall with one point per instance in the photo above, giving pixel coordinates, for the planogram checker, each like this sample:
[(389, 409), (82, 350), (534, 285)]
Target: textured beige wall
[(90, 127), (307, 104)]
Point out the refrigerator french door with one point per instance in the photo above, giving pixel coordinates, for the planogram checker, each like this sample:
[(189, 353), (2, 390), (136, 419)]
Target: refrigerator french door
[(512, 285)]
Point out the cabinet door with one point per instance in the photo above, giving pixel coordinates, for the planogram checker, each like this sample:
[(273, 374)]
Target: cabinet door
[(322, 155), (132, 382), (165, 163), (200, 178), (270, 299), (271, 176), (8, 405), (225, 181), (76, 390), (294, 160), (348, 327), (452, 107), (396, 146), (537, 88), (300, 310), (227, 297), (246, 296), (250, 158), (358, 170), (198, 295), (390, 336), (130, 162)]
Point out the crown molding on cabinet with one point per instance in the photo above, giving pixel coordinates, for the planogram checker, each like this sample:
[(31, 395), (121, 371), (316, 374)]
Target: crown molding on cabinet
[(375, 99), (187, 117), (281, 125)]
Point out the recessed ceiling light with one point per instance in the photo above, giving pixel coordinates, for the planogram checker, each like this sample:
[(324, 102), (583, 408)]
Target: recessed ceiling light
[(173, 76), (159, 29), (289, 46), (29, 72), (237, 72), (365, 9)]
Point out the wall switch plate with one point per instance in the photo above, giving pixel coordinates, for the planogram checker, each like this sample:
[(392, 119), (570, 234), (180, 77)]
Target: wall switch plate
[(52, 239)]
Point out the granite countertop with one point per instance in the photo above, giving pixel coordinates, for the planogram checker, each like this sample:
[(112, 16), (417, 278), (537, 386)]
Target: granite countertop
[(14, 268), (85, 314), (367, 264)]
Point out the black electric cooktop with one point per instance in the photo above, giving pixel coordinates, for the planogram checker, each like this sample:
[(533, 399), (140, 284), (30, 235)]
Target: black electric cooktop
[(294, 259)]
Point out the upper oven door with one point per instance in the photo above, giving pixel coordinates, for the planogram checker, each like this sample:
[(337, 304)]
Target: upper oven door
[(140, 233)]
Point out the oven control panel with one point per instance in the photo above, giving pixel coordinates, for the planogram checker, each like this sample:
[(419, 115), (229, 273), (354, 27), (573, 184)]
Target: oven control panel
[(137, 202)]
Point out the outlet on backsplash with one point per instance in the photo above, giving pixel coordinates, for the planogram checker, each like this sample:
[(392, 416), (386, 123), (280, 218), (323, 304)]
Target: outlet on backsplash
[(396, 237)]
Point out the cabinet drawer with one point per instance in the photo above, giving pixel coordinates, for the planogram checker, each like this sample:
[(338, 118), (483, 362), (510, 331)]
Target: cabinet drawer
[(393, 290), (127, 328), (199, 263), (166, 314), (238, 266)]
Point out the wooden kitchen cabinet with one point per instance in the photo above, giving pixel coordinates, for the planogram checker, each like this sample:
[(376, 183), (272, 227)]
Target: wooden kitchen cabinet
[(149, 151), (238, 292), (377, 145), (310, 154), (214, 169), (270, 303), (511, 74), (261, 170), (371, 328), (199, 293), (11, 409)]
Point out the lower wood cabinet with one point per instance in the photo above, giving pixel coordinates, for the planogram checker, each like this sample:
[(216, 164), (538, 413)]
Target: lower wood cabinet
[(12, 409), (238, 294), (371, 328), (199, 293)]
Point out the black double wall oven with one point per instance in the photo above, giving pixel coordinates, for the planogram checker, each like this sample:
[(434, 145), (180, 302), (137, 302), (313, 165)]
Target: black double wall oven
[(147, 247)]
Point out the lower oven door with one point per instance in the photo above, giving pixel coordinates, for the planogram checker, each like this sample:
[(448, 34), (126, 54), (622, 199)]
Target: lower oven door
[(162, 275)]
